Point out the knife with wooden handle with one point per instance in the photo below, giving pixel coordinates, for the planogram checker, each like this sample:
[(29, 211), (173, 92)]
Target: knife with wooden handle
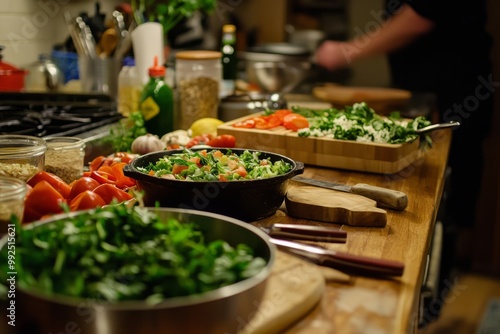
[(345, 262), (384, 197)]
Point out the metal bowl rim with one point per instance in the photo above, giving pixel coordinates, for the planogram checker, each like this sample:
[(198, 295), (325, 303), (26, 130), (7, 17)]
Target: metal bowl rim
[(175, 302)]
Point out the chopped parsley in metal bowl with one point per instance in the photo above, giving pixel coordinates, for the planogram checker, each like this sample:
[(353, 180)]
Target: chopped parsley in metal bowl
[(214, 165), (118, 253)]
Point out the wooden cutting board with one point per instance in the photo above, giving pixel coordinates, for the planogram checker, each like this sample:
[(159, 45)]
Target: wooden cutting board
[(333, 206), (326, 152), (382, 100), (294, 288)]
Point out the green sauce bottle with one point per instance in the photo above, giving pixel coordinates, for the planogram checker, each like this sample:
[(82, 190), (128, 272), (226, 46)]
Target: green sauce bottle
[(157, 102)]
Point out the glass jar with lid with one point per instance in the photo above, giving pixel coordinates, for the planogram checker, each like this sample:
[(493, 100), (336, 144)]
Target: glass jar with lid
[(21, 156), (198, 78), (65, 157)]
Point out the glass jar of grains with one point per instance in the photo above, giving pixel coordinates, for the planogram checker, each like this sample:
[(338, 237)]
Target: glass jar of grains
[(65, 157), (198, 75), (12, 195), (21, 156)]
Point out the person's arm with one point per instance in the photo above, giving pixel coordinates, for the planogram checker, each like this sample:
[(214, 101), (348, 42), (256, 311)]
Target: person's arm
[(398, 31)]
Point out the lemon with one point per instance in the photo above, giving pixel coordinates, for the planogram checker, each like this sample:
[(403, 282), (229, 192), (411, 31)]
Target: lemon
[(207, 125)]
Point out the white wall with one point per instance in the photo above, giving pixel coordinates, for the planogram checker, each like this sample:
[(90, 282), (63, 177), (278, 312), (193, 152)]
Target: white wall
[(31, 27)]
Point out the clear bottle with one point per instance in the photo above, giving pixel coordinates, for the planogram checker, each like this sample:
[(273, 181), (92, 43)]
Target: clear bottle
[(157, 102), (198, 75), (229, 59), (129, 88)]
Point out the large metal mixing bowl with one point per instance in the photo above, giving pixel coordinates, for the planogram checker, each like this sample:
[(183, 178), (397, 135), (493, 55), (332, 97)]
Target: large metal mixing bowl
[(225, 310), (277, 68)]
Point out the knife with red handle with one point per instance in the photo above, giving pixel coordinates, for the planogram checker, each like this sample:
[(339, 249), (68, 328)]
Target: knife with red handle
[(356, 264), (306, 232)]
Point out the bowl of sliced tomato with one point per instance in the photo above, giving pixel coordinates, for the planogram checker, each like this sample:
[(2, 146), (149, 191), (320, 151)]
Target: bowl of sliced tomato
[(241, 183)]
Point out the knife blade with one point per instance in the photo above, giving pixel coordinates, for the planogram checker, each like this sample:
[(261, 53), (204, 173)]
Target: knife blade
[(384, 197)]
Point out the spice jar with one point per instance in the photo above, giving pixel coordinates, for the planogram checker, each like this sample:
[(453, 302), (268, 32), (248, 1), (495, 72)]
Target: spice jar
[(64, 157), (12, 194), (198, 78), (21, 156)]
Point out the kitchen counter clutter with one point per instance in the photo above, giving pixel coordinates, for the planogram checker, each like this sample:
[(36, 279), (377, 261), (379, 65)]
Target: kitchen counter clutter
[(365, 304), (333, 291)]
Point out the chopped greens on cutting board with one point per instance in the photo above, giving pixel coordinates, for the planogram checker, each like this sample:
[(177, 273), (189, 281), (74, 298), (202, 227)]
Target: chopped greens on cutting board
[(360, 123)]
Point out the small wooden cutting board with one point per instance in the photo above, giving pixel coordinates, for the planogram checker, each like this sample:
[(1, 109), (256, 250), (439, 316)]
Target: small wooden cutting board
[(294, 288), (333, 206)]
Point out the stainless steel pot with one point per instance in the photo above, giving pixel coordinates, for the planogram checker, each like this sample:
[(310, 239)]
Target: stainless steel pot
[(278, 67), (44, 76), (236, 106), (225, 310)]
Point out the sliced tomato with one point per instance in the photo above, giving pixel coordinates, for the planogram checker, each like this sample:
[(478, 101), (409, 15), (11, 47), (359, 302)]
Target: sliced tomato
[(108, 192), (223, 141), (43, 199), (261, 122), (96, 163), (86, 200), (103, 177), (281, 113), (82, 184), (295, 122), (246, 124), (122, 181), (59, 184)]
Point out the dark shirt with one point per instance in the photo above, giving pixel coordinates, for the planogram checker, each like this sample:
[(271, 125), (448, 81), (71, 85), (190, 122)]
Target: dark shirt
[(450, 57)]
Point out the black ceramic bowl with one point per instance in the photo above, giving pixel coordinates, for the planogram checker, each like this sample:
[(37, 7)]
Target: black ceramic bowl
[(247, 200)]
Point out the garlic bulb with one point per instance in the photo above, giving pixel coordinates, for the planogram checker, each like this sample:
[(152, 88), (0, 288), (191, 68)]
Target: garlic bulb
[(147, 143)]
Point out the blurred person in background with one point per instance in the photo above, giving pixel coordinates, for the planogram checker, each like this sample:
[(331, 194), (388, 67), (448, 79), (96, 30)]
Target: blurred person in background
[(439, 47)]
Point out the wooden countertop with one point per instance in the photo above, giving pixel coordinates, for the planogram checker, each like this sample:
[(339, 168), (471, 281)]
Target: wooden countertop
[(371, 305)]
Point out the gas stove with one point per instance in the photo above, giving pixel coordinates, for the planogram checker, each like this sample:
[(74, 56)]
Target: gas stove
[(87, 116), (45, 115)]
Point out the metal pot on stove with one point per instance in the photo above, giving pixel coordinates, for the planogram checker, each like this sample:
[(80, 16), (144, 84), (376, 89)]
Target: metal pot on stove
[(11, 77)]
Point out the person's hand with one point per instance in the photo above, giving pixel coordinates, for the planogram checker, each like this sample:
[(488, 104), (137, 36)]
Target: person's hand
[(333, 55)]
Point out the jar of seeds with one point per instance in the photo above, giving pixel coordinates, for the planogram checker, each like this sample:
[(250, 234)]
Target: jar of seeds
[(198, 76), (64, 157)]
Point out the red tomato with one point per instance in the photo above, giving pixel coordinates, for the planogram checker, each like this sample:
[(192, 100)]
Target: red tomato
[(86, 200), (295, 122), (108, 192), (43, 199), (246, 124), (199, 140), (126, 157), (223, 141), (55, 181), (82, 184)]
